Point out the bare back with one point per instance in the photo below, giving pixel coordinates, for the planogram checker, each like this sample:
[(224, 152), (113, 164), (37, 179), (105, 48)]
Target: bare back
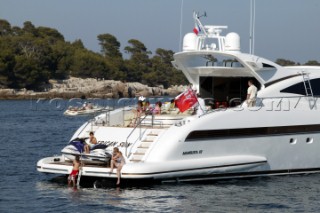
[(76, 165)]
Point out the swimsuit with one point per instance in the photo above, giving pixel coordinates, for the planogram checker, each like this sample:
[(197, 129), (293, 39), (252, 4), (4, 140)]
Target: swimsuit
[(120, 161), (91, 145), (73, 174)]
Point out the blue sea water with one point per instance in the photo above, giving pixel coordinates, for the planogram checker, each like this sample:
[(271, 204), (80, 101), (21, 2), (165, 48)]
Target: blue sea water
[(29, 132)]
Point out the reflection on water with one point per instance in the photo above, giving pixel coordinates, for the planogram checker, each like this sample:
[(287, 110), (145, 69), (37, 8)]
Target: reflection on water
[(116, 198), (273, 194)]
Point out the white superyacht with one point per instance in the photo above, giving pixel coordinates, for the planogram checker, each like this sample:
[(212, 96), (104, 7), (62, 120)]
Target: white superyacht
[(278, 136)]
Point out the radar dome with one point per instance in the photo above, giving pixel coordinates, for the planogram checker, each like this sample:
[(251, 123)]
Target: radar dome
[(232, 42), (190, 42)]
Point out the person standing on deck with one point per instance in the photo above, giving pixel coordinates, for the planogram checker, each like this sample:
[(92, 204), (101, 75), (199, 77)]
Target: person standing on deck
[(201, 108), (251, 94)]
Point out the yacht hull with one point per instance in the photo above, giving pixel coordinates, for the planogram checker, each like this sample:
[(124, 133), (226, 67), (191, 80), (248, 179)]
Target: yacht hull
[(188, 170)]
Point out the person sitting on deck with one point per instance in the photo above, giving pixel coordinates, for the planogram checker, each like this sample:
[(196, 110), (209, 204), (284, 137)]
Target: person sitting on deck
[(75, 171), (89, 105), (146, 107), (84, 106), (138, 112), (92, 143), (172, 104), (117, 161), (157, 108)]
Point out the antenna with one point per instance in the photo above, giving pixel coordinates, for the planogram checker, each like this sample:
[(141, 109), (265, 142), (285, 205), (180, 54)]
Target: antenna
[(252, 24), (181, 19), (203, 15)]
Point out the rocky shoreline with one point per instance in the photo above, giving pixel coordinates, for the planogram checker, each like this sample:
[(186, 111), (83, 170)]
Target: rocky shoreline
[(91, 88)]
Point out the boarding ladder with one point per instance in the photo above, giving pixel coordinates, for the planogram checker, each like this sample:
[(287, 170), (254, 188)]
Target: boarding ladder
[(107, 121), (144, 145), (308, 88)]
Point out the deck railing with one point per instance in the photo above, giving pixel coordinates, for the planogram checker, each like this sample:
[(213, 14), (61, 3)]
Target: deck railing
[(138, 125)]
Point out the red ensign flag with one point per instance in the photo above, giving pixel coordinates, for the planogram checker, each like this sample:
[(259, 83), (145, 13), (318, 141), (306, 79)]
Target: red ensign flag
[(196, 29), (186, 100)]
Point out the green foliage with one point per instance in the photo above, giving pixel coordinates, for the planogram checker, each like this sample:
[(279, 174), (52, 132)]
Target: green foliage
[(312, 63), (109, 46), (30, 56), (139, 63), (28, 73), (5, 28), (87, 64), (284, 62), (162, 71)]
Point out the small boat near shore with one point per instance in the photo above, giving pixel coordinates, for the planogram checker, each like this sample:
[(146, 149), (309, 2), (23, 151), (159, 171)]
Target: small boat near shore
[(85, 109), (278, 135)]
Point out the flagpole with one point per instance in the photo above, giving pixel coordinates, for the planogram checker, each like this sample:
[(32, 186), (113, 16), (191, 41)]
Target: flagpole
[(198, 22)]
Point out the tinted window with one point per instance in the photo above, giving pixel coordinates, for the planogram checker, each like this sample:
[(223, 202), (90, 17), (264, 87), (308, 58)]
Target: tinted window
[(299, 88), (267, 65)]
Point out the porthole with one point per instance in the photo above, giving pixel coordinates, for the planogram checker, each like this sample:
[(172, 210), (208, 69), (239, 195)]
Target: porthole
[(309, 140), (293, 141)]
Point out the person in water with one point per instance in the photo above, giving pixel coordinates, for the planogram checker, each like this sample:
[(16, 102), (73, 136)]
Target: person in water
[(117, 161), (75, 171), (92, 143)]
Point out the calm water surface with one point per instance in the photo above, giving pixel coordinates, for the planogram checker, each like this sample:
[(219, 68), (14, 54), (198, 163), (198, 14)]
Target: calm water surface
[(29, 133)]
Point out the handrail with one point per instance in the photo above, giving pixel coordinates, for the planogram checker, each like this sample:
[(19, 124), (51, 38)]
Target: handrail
[(138, 124)]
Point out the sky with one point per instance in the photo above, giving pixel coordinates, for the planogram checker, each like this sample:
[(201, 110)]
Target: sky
[(287, 29)]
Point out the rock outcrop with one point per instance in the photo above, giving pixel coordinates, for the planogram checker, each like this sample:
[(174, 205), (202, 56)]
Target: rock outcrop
[(92, 88)]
